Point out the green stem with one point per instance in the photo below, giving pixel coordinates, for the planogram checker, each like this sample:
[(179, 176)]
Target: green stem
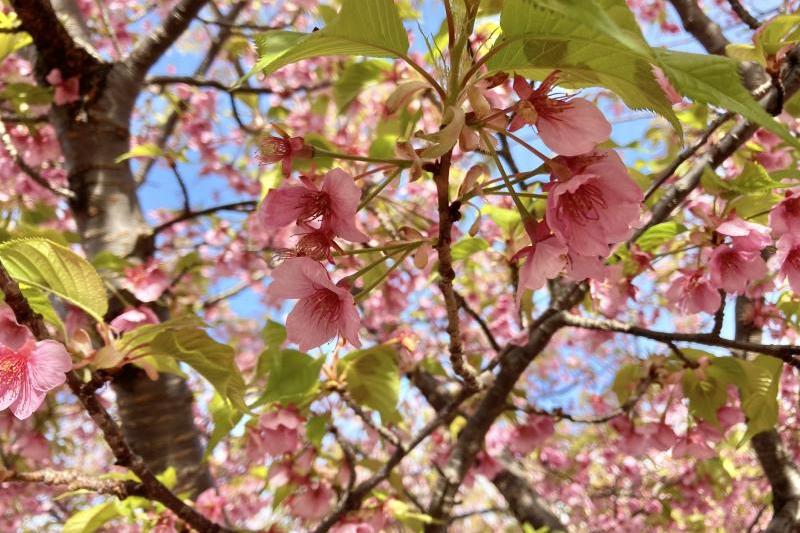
[(523, 211), (353, 277), (361, 296), (375, 192), (381, 248), (320, 152)]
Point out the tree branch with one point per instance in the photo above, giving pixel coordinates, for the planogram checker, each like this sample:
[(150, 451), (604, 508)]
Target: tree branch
[(245, 206), (744, 15), (700, 25), (72, 480), (153, 46)]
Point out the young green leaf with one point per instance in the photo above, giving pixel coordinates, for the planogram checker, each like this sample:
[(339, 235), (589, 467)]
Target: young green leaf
[(372, 379)]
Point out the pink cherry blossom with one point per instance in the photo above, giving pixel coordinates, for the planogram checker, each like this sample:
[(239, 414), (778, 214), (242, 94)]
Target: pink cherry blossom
[(323, 311), (568, 126), (335, 203), (593, 202), (745, 235), (65, 91), (283, 150), (613, 291), (732, 269), (146, 282), (545, 258), (787, 259), (729, 416), (133, 318), (28, 369), (692, 292), (311, 502), (785, 216), (527, 437), (277, 433)]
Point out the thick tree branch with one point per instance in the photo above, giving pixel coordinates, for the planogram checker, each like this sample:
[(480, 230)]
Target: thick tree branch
[(700, 25), (72, 480), (744, 15), (153, 46)]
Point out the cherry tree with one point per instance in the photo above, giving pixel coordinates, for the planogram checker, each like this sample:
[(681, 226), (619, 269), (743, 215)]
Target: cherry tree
[(389, 265)]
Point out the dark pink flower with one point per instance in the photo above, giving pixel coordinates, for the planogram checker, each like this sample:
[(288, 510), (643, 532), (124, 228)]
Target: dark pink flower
[(283, 150), (692, 292), (28, 369), (529, 436), (277, 433), (64, 91), (323, 311), (593, 202), (732, 269), (311, 502), (146, 282), (745, 235), (335, 203), (568, 126), (545, 258), (787, 259), (785, 216)]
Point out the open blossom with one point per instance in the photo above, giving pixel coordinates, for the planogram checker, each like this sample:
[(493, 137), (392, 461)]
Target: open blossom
[(64, 91), (745, 235), (28, 369), (593, 202), (787, 259), (283, 150), (533, 433), (311, 502), (785, 216), (545, 258), (335, 203), (133, 318), (732, 269), (568, 126), (323, 311), (692, 292), (147, 282), (277, 433)]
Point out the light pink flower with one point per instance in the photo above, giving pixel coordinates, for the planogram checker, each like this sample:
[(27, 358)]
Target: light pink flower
[(745, 235), (729, 416), (335, 203), (787, 259), (133, 318), (277, 433), (312, 502), (593, 202), (28, 369), (283, 150), (64, 91), (545, 258), (785, 216), (568, 126), (324, 310), (613, 291), (693, 444), (732, 269), (774, 160), (527, 437), (692, 292), (146, 282)]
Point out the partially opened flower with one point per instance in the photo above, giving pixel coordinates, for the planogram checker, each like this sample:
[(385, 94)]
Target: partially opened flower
[(593, 203), (28, 369), (785, 216), (277, 433), (323, 311), (312, 501), (335, 204), (745, 235), (147, 282), (283, 150), (567, 125), (545, 258)]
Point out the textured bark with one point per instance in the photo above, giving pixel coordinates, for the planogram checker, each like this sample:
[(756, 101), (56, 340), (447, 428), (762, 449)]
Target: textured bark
[(779, 468), (93, 134)]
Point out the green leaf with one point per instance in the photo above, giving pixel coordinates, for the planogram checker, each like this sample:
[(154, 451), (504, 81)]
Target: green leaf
[(315, 429), (40, 303), (353, 80), (372, 378), (274, 335), (91, 519), (293, 377), (507, 219), (778, 32), (760, 398), (362, 28), (705, 396), (225, 417), (148, 150), (659, 234), (184, 339), (715, 80), (467, 247), (626, 381), (11, 42), (52, 268), (591, 48)]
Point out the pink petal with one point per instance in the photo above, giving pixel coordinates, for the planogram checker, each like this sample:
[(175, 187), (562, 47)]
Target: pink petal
[(282, 206), (345, 197), (574, 130), (12, 335), (299, 277), (308, 328), (27, 401), (47, 365)]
